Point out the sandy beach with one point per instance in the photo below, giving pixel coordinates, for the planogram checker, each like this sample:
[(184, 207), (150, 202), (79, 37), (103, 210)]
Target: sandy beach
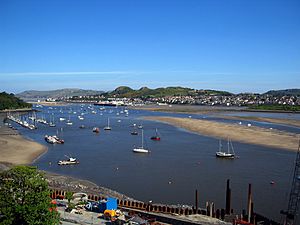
[(290, 122), (251, 135), (44, 103), (17, 150)]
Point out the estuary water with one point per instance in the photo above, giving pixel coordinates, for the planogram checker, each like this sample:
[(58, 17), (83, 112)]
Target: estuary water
[(177, 165)]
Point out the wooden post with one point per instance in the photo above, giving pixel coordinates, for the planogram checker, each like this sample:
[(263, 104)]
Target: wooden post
[(228, 198), (196, 200), (249, 202)]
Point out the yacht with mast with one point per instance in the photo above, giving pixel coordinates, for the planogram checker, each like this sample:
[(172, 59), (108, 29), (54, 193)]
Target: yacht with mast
[(156, 137), (107, 127), (230, 151), (141, 149)]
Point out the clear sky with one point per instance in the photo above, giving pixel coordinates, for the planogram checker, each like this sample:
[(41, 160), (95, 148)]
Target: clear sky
[(233, 45)]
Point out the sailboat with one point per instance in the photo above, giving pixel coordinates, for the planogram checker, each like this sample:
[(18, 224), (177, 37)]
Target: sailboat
[(69, 122), (141, 149), (51, 123), (107, 127), (230, 151), (156, 137)]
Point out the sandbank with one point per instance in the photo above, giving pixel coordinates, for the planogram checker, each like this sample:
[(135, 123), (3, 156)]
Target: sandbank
[(251, 135), (290, 122), (15, 149), (193, 109), (44, 103)]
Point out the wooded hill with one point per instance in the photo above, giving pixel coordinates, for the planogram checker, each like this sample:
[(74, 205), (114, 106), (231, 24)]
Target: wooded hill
[(10, 101), (145, 92)]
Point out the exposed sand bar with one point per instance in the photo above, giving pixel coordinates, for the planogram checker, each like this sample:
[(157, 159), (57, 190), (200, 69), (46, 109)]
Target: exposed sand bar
[(251, 135), (290, 122), (44, 103), (186, 109), (17, 150)]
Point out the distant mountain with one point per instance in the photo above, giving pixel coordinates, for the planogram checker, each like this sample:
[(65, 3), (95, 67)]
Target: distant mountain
[(288, 92), (68, 92), (145, 92)]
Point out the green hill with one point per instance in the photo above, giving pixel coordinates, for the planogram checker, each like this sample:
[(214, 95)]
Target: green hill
[(145, 92), (286, 92), (10, 101), (67, 92)]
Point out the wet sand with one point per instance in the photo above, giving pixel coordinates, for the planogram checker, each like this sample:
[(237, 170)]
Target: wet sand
[(251, 135), (289, 122), (193, 109), (216, 111), (15, 149), (50, 103), (19, 151)]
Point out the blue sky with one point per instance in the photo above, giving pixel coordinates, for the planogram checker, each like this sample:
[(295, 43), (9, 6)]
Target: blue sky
[(233, 45)]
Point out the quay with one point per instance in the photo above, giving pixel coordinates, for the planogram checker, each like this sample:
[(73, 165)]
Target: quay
[(186, 215)]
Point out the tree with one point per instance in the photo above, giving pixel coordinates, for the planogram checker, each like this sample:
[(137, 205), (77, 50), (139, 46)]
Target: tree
[(25, 198), (69, 196)]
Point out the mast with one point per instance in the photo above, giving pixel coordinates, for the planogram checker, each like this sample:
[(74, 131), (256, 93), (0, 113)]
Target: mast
[(228, 145), (142, 138)]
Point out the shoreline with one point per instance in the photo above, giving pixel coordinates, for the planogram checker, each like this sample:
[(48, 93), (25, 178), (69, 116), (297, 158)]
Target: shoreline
[(18, 150), (202, 109), (290, 122), (44, 103), (249, 135), (15, 148)]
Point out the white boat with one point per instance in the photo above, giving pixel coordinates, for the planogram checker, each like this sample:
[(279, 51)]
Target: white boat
[(70, 161), (107, 127), (141, 149), (69, 121), (53, 139), (226, 155), (62, 119)]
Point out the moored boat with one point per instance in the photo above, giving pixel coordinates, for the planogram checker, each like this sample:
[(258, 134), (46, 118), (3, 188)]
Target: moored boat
[(70, 161), (96, 130), (107, 127), (156, 137), (53, 139), (226, 155), (141, 149)]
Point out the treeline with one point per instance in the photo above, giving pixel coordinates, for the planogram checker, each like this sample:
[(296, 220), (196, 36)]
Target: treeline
[(10, 101), (276, 107), (145, 92)]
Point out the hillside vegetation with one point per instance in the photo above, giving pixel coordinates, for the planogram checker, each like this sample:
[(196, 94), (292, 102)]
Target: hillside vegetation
[(145, 92), (276, 107), (286, 92), (10, 101), (68, 92)]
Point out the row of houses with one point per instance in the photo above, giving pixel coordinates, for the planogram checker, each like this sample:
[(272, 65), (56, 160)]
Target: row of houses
[(223, 100)]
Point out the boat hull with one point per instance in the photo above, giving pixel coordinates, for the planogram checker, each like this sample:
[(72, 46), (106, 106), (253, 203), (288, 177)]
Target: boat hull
[(225, 155), (155, 138), (140, 150)]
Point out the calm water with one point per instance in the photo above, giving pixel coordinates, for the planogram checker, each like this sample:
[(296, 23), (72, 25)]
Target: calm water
[(177, 165)]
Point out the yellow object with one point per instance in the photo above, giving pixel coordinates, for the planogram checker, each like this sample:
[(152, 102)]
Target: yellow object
[(109, 213)]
